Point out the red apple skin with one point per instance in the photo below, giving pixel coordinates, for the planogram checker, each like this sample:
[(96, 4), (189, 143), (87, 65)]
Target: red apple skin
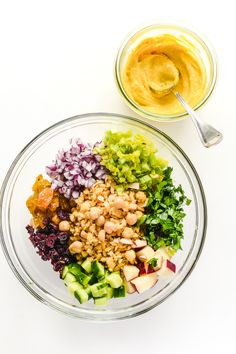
[(171, 266), (145, 268)]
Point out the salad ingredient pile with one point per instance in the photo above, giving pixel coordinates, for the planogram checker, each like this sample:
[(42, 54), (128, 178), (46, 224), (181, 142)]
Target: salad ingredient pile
[(102, 224), (131, 159), (109, 219), (75, 169)]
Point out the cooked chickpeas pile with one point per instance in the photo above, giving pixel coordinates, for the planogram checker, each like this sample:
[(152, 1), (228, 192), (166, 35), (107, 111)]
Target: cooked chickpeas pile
[(103, 224)]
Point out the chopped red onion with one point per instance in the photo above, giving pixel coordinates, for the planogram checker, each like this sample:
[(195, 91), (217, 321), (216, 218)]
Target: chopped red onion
[(75, 169)]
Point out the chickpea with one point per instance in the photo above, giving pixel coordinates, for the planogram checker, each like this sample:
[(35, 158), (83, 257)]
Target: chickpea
[(72, 218), (141, 197), (85, 206), (138, 214), (100, 220), (109, 227), (83, 234), (64, 225), (128, 232), (130, 256), (131, 219), (94, 213), (75, 247), (132, 206), (119, 203), (101, 235)]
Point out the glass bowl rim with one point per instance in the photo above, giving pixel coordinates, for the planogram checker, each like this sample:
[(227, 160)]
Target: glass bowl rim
[(50, 302), (205, 43)]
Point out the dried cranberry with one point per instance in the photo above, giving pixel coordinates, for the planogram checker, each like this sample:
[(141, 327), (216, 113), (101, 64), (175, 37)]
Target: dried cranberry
[(62, 214), (46, 221), (51, 244), (50, 240), (58, 266), (63, 237)]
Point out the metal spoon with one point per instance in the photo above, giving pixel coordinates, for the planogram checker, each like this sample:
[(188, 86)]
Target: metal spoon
[(209, 135), (166, 79)]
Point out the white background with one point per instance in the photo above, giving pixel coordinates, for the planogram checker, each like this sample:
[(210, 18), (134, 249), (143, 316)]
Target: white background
[(56, 61)]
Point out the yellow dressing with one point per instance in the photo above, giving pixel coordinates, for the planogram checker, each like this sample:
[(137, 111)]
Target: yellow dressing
[(159, 65)]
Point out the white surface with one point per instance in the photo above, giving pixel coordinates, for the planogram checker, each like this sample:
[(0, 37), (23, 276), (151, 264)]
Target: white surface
[(57, 61)]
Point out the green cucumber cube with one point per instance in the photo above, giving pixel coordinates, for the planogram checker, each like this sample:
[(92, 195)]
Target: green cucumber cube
[(114, 280), (89, 291), (64, 272), (81, 277), (81, 295), (93, 279), (69, 278), (110, 292), (72, 287), (120, 292), (87, 265), (99, 289), (98, 269), (101, 301)]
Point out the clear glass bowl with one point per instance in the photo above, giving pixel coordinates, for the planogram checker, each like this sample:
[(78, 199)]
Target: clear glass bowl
[(201, 46), (36, 275)]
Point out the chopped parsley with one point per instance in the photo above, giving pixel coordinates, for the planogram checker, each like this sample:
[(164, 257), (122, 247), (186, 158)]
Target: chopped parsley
[(153, 262), (162, 222)]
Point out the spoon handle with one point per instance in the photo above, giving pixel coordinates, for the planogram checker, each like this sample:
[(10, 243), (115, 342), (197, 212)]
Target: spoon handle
[(209, 136)]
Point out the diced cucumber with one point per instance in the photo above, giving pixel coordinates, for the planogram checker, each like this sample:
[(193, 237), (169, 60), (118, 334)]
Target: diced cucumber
[(98, 269), (81, 295), (120, 292), (93, 279), (99, 289), (64, 272), (101, 301), (75, 268), (80, 276), (114, 280), (89, 292), (87, 265), (72, 287), (110, 292), (69, 278)]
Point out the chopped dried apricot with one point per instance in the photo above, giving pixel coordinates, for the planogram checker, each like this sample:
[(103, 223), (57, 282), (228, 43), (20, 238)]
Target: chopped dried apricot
[(44, 198)]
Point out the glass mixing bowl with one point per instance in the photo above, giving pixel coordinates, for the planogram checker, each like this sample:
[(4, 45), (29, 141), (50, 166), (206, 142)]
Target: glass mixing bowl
[(199, 45), (38, 276)]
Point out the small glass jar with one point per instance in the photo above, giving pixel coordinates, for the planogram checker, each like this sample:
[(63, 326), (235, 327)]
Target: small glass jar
[(202, 48)]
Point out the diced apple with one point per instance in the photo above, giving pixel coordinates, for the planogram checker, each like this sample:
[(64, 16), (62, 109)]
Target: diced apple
[(145, 254), (130, 288), (130, 272), (145, 268), (159, 262), (145, 282), (168, 268), (163, 251), (139, 244), (148, 268)]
